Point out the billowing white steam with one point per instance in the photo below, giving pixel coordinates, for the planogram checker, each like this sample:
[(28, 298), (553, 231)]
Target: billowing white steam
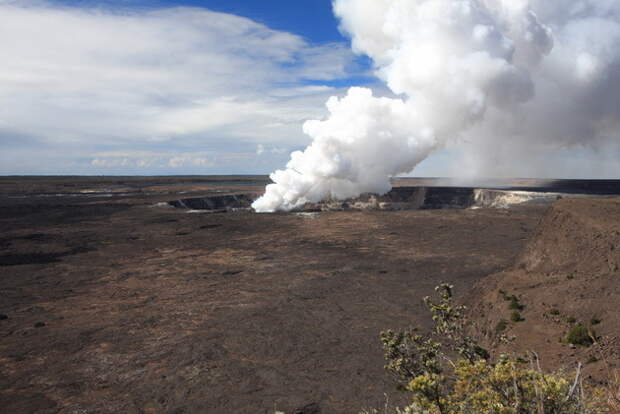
[(490, 72)]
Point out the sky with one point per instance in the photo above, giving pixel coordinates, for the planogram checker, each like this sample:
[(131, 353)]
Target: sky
[(173, 87), (311, 19), (165, 87)]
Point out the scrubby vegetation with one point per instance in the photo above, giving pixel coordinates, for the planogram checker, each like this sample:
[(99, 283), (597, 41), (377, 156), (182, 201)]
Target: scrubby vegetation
[(501, 326), (579, 335), (448, 372), (515, 303), (516, 317)]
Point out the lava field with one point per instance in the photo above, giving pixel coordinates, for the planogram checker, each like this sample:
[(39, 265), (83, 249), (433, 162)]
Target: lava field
[(114, 301)]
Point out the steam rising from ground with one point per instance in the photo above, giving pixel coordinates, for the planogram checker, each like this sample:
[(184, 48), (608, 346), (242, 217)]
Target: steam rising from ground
[(516, 75)]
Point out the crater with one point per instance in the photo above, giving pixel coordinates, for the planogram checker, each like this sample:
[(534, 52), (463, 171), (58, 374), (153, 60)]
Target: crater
[(398, 198), (217, 202)]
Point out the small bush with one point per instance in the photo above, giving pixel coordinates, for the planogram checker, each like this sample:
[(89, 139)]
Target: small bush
[(579, 335), (554, 311), (515, 304), (522, 360), (571, 320), (516, 317), (595, 321), (501, 326)]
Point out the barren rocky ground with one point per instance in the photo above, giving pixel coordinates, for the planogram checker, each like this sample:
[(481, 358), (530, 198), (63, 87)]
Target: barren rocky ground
[(567, 275), (111, 304)]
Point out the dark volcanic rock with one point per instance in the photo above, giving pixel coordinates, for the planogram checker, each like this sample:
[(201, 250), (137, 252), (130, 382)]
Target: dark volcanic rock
[(448, 197), (402, 198), (16, 259), (154, 325), (28, 258), (209, 226), (313, 408), (38, 237), (222, 202)]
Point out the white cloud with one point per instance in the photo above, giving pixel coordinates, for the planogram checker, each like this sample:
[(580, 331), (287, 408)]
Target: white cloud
[(262, 149), (85, 78), (188, 160), (150, 159)]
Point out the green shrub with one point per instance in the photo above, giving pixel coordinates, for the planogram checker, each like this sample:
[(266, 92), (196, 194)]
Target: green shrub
[(571, 320), (595, 321), (501, 326), (409, 354), (516, 317), (522, 360), (554, 311), (515, 304), (579, 335)]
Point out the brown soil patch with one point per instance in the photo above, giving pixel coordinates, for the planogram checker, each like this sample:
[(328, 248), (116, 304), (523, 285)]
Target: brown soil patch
[(567, 274)]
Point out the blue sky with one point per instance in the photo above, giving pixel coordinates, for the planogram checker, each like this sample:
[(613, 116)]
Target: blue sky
[(312, 19)]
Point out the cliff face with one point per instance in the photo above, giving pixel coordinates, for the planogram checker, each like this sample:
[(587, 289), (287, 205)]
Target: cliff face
[(581, 236), (568, 274), (398, 198)]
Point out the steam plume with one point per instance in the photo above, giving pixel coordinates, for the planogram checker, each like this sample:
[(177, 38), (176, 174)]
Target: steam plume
[(512, 73)]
